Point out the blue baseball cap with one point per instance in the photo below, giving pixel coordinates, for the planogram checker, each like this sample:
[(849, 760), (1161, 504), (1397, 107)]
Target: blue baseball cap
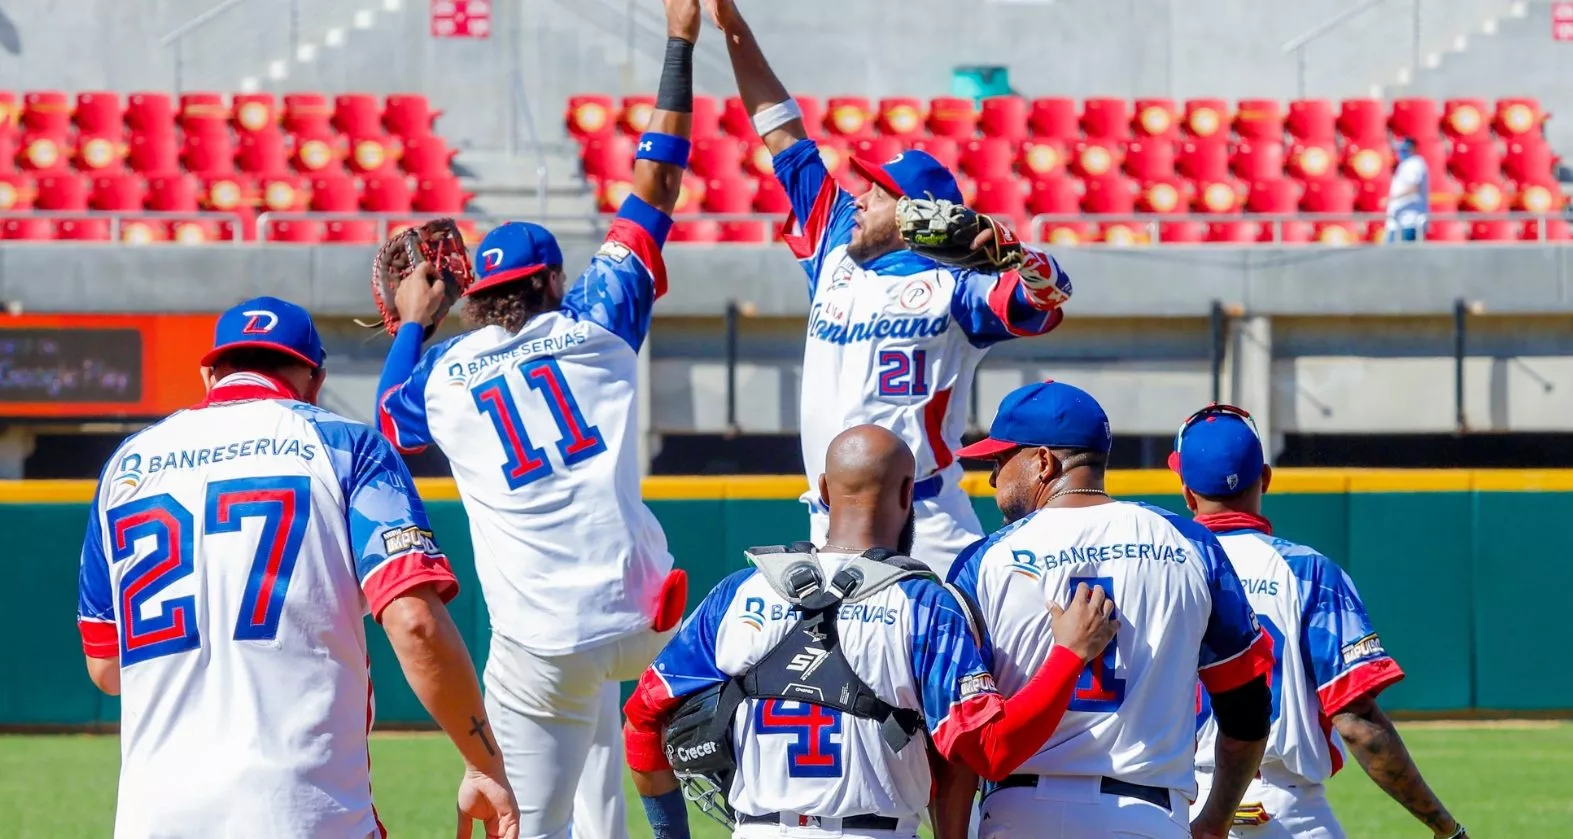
[(1050, 414), (915, 174), (514, 251), (1217, 451), (271, 324)]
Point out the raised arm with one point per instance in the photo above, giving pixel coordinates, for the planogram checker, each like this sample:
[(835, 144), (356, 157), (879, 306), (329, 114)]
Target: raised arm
[(776, 116), (663, 148)]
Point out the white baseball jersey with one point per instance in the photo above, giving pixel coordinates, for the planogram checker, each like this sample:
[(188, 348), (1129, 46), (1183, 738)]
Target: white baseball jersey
[(895, 342), (1325, 653), (231, 555), (1181, 612), (909, 643), (1409, 210), (540, 427)]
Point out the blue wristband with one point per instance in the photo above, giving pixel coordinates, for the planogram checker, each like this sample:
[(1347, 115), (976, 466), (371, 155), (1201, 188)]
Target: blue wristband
[(640, 212), (668, 815), (663, 148)]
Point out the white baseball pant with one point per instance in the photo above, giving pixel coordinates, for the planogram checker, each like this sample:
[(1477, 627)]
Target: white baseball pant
[(946, 525), (827, 829), (1074, 808), (557, 722), (1297, 811)]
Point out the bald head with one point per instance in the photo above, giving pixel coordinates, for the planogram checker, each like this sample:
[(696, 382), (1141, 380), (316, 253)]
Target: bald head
[(868, 487)]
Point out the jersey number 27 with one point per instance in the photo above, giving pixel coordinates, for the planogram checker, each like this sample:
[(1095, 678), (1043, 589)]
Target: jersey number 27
[(577, 440)]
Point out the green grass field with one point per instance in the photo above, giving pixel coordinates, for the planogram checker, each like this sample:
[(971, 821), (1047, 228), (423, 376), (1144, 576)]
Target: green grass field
[(1502, 780)]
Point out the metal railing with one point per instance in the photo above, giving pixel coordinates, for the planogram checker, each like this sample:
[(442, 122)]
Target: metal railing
[(120, 221), (1150, 227), (1297, 45)]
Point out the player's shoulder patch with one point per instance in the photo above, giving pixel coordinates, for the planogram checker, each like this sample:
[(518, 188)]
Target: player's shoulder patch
[(977, 683), (615, 251), (1369, 646)]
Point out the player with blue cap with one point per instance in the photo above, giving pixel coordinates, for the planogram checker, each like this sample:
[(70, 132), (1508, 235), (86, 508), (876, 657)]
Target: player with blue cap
[(1329, 663), (1121, 761), (270, 337)]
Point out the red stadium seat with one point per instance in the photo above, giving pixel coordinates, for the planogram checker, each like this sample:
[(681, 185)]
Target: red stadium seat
[(1474, 160), (118, 193), (204, 113), (744, 231), (1338, 233), (376, 154), (262, 152), (1106, 118), (1446, 230), (229, 193), (1275, 195), (294, 231), (1206, 118), (357, 114), (16, 192), (877, 149), (153, 154), (409, 115), (1446, 192), (1164, 195), (634, 115), (150, 113), (1258, 159), (46, 112), (386, 194), (770, 196), (27, 229), (1113, 195), (589, 115), (209, 154), (426, 155), (834, 153), (350, 232), (1312, 161), (1371, 196), (334, 194), (1096, 158), (691, 195), (848, 116), (43, 152), (717, 157), (1054, 117), (100, 153), (1005, 117), (952, 116), (8, 141), (1156, 118), (255, 112), (307, 113), (61, 191), (1528, 158), (732, 194), (10, 112), (1483, 230), (1368, 162), (1484, 196), (1333, 195), (239, 225), (1215, 196), (1042, 157), (1053, 196), (1416, 119), (285, 193), (1465, 119), (1182, 232), (706, 116), (900, 116), (1287, 231), (1518, 117), (1123, 233), (1537, 197), (1203, 160), (317, 152), (1363, 121), (944, 149), (968, 188), (82, 230), (1311, 120), (608, 156), (1549, 230), (987, 157), (1002, 197), (440, 195), (1068, 233), (1149, 158), (757, 159), (695, 231), (736, 120), (100, 113), (174, 193), (610, 194), (1433, 151), (143, 231), (1259, 119)]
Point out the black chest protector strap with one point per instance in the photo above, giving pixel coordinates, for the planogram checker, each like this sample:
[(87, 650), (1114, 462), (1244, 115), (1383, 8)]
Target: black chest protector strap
[(808, 664)]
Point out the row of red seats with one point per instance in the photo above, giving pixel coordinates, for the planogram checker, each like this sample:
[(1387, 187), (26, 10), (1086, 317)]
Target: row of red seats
[(1526, 159), (1012, 117), (263, 152), (202, 230), (103, 113), (184, 193)]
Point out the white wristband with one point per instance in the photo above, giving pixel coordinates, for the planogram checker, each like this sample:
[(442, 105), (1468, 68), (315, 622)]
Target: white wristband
[(776, 116)]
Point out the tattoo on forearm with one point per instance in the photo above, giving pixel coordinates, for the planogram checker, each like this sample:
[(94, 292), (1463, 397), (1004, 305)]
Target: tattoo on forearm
[(1375, 743), (479, 730)]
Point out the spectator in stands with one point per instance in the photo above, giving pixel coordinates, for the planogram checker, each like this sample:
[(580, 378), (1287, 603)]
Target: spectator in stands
[(1409, 195)]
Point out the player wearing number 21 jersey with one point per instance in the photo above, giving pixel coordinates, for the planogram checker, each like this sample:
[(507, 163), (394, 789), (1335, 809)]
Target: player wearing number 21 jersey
[(232, 552), (1122, 759)]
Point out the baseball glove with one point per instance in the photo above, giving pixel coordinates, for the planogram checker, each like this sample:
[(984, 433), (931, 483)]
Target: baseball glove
[(437, 241), (944, 232)]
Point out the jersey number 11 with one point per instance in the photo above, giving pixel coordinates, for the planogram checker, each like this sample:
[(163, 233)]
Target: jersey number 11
[(577, 440)]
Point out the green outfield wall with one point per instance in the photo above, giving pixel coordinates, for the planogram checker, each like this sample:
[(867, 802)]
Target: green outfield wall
[(1462, 572)]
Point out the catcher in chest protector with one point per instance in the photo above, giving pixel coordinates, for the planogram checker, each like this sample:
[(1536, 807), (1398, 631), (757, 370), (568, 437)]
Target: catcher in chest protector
[(536, 409)]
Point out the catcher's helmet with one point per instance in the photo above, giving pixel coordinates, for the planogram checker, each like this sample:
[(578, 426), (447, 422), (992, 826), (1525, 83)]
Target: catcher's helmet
[(699, 747)]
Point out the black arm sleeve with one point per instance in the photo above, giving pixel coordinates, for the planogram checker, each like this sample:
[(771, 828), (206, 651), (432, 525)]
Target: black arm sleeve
[(1245, 713)]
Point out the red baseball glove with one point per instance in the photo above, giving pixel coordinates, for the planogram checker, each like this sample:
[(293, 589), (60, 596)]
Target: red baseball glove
[(437, 241)]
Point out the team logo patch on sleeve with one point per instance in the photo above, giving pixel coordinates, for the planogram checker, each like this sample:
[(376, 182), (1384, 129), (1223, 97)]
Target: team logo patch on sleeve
[(614, 251), (1366, 647), (977, 683), (409, 539)]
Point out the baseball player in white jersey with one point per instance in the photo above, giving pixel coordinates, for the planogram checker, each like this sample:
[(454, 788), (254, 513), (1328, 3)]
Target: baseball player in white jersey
[(1122, 761), (1329, 664), (802, 687), (894, 338), (536, 410), (232, 552)]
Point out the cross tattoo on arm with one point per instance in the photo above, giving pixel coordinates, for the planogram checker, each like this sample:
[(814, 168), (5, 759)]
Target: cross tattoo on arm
[(479, 730)]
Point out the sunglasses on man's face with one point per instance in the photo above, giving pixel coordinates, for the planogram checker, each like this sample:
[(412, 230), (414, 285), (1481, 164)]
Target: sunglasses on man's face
[(1217, 409)]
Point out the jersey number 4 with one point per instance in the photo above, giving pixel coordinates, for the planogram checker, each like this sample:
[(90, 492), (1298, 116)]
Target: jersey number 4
[(812, 754), (282, 503), (1099, 690), (577, 440)]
